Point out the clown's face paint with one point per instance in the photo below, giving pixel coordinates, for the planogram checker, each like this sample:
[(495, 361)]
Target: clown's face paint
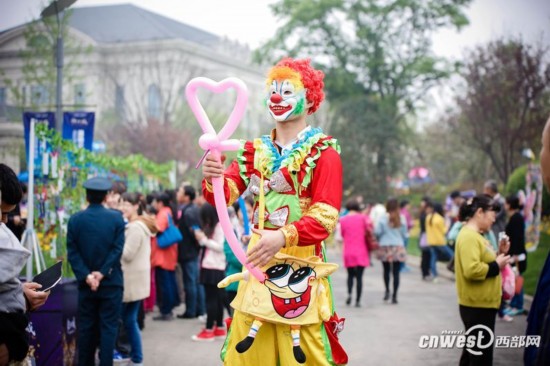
[(286, 99)]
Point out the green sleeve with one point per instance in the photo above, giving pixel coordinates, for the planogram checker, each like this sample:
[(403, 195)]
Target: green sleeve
[(230, 257)]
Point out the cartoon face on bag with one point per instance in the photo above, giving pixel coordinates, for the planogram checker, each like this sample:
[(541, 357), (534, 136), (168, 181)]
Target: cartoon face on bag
[(290, 288), (294, 290)]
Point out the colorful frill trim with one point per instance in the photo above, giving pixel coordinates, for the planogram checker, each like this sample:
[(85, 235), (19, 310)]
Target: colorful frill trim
[(307, 149)]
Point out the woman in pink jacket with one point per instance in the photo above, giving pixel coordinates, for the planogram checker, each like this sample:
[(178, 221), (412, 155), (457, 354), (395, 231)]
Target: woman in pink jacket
[(355, 228)]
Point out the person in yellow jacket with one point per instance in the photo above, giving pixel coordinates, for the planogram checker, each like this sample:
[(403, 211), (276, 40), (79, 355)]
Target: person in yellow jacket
[(436, 230), (478, 279)]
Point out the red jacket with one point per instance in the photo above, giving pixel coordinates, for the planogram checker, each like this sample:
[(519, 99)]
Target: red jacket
[(164, 258)]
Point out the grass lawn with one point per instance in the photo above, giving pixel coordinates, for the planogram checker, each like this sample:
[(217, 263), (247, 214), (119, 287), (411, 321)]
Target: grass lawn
[(412, 246), (535, 260)]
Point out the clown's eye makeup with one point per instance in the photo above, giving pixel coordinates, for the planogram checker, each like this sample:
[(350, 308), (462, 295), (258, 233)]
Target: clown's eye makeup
[(279, 274), (299, 280), (287, 89)]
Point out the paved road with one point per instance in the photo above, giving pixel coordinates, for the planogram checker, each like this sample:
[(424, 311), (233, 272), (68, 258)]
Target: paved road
[(377, 333)]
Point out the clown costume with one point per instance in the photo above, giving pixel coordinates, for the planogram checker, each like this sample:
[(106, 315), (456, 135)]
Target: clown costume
[(295, 175)]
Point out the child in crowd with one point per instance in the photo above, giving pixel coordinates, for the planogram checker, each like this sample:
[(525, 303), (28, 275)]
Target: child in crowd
[(212, 271)]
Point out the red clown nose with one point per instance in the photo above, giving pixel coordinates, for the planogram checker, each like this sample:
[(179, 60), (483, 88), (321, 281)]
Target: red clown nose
[(276, 98)]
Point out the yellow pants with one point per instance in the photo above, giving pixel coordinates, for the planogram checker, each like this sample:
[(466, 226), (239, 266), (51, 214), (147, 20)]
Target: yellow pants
[(273, 344)]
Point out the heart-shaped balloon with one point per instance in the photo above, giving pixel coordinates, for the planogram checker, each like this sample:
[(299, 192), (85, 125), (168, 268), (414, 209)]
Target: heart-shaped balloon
[(217, 143)]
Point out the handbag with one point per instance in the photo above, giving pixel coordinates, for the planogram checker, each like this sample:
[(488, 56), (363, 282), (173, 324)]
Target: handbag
[(170, 236), (370, 238), (423, 241), (519, 284), (508, 282), (372, 243)]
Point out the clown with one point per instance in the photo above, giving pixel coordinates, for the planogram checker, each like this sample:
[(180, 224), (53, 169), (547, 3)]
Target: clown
[(295, 174)]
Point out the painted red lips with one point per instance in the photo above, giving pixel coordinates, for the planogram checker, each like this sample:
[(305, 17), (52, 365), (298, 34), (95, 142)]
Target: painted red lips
[(279, 110)]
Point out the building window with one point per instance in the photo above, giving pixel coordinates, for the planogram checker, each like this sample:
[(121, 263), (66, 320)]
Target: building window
[(79, 94), (39, 95), (119, 101), (2, 96), (153, 102)]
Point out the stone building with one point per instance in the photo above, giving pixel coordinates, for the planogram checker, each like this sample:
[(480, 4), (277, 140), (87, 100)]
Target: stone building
[(135, 68)]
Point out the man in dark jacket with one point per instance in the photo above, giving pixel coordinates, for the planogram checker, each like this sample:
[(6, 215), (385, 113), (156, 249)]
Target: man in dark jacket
[(95, 239), (188, 253)]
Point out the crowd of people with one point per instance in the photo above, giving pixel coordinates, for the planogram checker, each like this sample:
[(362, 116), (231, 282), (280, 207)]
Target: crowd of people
[(476, 235), (147, 275), (389, 227), (186, 270)]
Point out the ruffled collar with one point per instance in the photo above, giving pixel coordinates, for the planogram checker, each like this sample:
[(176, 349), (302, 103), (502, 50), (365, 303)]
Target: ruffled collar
[(275, 160)]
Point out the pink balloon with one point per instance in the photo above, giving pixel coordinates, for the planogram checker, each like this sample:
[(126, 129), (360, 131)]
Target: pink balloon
[(218, 143)]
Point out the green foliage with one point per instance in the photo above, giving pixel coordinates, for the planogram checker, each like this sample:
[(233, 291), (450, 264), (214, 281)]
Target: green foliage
[(412, 246), (124, 166), (75, 165), (378, 64), (535, 263), (451, 162)]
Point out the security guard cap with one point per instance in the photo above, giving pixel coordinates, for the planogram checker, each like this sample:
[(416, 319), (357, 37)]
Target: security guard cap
[(98, 184)]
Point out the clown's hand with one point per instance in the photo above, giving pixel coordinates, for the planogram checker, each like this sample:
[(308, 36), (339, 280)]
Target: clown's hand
[(233, 278), (271, 241)]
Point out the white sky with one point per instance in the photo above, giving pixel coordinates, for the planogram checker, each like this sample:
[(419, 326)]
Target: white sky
[(250, 21)]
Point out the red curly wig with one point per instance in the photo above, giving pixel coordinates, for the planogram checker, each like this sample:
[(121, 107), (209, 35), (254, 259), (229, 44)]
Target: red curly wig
[(311, 78)]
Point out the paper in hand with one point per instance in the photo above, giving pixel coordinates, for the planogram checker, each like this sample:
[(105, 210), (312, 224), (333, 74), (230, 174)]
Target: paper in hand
[(50, 277)]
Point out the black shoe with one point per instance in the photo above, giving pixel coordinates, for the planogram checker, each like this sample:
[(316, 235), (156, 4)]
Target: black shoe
[(185, 316), (348, 301), (299, 354), (394, 300), (164, 317), (387, 296), (244, 345), (357, 305)]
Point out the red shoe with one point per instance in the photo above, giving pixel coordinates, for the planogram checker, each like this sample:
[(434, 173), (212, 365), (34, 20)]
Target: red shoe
[(206, 335), (220, 333)]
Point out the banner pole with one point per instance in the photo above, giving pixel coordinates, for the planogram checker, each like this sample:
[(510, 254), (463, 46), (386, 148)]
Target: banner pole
[(30, 200)]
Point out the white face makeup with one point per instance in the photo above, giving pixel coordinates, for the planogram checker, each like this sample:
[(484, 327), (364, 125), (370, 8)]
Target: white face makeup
[(283, 101)]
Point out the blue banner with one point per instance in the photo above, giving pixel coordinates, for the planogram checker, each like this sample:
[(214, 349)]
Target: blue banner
[(40, 147), (78, 127)]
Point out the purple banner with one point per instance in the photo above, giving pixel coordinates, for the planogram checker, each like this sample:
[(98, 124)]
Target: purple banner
[(78, 127), (52, 328)]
